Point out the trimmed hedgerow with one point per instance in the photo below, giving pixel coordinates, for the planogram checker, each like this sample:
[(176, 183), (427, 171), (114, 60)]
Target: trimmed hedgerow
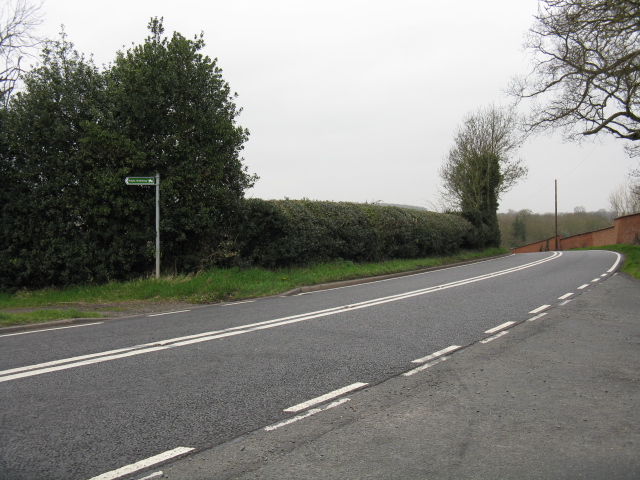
[(276, 233)]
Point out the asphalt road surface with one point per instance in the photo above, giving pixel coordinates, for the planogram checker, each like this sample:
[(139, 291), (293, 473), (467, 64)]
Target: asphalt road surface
[(113, 399)]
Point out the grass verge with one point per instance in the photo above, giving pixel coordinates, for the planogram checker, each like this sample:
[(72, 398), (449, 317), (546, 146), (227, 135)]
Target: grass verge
[(38, 316), (211, 286)]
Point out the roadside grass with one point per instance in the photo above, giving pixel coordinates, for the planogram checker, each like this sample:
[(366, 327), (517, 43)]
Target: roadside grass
[(211, 286), (37, 316), (631, 264)]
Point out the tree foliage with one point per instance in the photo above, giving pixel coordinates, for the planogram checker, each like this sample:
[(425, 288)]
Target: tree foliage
[(69, 140), (586, 69), (480, 167)]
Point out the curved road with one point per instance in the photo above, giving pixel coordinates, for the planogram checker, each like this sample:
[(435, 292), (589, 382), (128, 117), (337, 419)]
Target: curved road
[(83, 402)]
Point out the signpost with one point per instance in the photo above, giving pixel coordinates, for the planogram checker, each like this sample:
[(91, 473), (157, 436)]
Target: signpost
[(145, 181)]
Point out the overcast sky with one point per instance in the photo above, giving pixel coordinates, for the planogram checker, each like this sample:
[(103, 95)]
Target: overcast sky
[(358, 100)]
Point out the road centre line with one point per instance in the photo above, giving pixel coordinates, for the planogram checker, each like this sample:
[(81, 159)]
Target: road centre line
[(142, 464), (565, 296), (540, 309), (582, 287), (324, 398), (500, 327), (50, 329), (313, 411), (83, 360), (437, 354), (595, 280)]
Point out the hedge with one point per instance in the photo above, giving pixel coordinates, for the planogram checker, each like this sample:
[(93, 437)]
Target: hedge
[(276, 233)]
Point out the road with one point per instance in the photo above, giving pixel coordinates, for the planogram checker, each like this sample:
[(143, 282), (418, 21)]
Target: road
[(85, 401)]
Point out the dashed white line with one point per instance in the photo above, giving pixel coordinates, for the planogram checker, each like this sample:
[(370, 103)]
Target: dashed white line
[(500, 327), (326, 397), (582, 287), (565, 296), (604, 275), (424, 367), (532, 319), (540, 309), (167, 313), (142, 464), (491, 339), (313, 411), (51, 329), (595, 280), (437, 354)]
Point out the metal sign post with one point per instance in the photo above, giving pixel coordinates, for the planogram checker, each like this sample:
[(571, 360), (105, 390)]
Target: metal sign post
[(151, 181)]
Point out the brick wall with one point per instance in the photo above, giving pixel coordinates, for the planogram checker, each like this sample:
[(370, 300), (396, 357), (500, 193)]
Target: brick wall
[(625, 230)]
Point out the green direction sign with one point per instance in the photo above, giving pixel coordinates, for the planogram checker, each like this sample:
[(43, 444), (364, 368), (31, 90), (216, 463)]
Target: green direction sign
[(140, 180)]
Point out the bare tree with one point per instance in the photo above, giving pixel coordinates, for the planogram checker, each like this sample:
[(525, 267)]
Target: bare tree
[(586, 69), (18, 22), (625, 200)]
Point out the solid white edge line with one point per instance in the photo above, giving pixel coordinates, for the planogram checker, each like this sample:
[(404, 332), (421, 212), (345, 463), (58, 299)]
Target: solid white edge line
[(142, 464), (541, 308), (166, 313), (424, 367), (313, 411), (615, 265), (565, 296), (582, 287), (331, 395), (491, 339), (51, 329), (500, 327), (437, 354), (532, 319)]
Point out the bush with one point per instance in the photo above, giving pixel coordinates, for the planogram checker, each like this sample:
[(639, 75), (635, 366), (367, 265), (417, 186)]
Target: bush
[(279, 233)]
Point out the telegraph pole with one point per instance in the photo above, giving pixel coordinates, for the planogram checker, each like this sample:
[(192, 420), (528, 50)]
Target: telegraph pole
[(556, 215)]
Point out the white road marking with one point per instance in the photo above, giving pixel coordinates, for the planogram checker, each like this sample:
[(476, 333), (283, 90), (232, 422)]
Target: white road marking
[(63, 364), (424, 367), (565, 296), (50, 329), (595, 280), (491, 339), (437, 354), (306, 414), (500, 327), (615, 265), (532, 319), (231, 304), (539, 309), (326, 397), (152, 476), (604, 275), (582, 287), (562, 304), (167, 313), (142, 464)]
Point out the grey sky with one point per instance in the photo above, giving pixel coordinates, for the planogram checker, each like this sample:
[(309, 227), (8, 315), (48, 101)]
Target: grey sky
[(358, 100)]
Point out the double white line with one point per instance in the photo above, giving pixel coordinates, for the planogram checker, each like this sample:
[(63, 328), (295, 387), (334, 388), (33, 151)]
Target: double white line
[(73, 362)]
